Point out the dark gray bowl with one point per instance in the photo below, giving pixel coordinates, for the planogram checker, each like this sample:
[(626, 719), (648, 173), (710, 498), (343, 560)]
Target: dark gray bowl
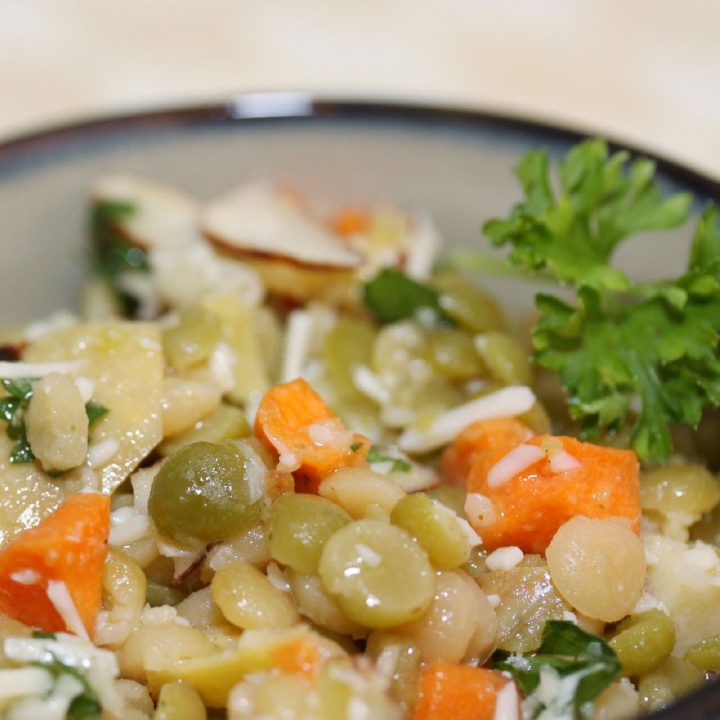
[(455, 163)]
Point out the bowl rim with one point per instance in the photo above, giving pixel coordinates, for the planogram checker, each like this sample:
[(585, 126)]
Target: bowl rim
[(278, 106)]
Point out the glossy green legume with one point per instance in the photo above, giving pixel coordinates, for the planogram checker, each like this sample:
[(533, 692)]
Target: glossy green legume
[(193, 339), (504, 357), (453, 354), (378, 573), (679, 489), (466, 304), (203, 492), (451, 496), (403, 659), (435, 527), (705, 654), (157, 594), (226, 422), (299, 526), (644, 641)]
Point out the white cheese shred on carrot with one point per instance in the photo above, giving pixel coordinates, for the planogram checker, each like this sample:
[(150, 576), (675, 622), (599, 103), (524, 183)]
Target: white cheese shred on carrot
[(16, 370), (297, 344), (59, 595), (25, 577), (423, 245), (506, 704), (518, 459), (508, 402), (504, 558), (479, 509)]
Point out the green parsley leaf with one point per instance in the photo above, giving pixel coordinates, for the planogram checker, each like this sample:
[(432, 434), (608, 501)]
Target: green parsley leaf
[(114, 255), (12, 411), (398, 464), (640, 353), (95, 412), (21, 453), (43, 635), (354, 447), (569, 652), (392, 296), (21, 388)]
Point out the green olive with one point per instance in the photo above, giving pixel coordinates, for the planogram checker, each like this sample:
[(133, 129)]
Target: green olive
[(193, 339), (203, 492), (299, 527)]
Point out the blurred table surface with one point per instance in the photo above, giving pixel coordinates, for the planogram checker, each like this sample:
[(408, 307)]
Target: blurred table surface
[(647, 71)]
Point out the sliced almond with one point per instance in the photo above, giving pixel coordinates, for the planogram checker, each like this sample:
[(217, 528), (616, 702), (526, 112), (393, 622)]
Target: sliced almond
[(163, 216), (258, 221)]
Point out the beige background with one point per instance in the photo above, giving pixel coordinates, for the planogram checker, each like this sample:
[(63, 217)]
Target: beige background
[(644, 70)]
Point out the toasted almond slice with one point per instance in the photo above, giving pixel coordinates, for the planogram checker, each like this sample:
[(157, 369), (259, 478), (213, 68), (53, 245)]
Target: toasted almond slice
[(258, 221), (163, 216)]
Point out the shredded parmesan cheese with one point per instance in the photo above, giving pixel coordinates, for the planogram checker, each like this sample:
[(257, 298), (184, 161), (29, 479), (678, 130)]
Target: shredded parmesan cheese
[(368, 555), (100, 453), (507, 706), (25, 577), (297, 344), (368, 383), (510, 401), (479, 509), (60, 597), (15, 370), (331, 433), (517, 460), (504, 558)]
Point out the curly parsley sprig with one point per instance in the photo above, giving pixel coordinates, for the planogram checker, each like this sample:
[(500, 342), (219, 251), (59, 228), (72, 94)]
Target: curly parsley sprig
[(647, 353)]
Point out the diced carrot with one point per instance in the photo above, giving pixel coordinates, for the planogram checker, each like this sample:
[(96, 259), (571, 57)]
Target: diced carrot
[(528, 508), (284, 421), (350, 221), (458, 692), (458, 459), (68, 547), (300, 657)]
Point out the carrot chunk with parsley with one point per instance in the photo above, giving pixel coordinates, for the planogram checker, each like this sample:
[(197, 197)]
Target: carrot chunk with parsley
[(500, 434), (458, 692), (67, 548), (568, 478), (295, 422)]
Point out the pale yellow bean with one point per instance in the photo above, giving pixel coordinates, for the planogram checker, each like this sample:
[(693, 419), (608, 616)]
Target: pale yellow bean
[(673, 679), (356, 489), (199, 609), (316, 604), (135, 699), (124, 590), (56, 423), (445, 629), (248, 599), (179, 701), (154, 646), (484, 640), (185, 401), (598, 566), (618, 701)]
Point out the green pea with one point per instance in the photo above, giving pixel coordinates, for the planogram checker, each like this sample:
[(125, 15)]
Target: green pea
[(226, 422), (679, 489), (453, 353), (193, 339), (379, 575), (466, 304), (644, 641), (505, 358), (300, 525), (705, 654), (435, 527), (204, 492)]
